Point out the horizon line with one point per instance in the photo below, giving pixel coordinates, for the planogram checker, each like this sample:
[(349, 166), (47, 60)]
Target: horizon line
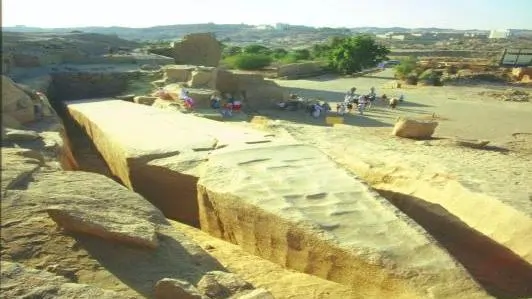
[(252, 25)]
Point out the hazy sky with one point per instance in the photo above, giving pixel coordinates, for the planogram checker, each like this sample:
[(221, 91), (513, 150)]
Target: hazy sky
[(458, 14)]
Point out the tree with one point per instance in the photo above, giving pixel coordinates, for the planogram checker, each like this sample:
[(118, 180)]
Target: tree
[(353, 54), (257, 49), (320, 51)]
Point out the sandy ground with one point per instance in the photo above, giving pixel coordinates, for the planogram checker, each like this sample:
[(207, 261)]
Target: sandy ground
[(466, 113)]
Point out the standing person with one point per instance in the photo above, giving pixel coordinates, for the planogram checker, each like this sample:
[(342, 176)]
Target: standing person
[(350, 95)]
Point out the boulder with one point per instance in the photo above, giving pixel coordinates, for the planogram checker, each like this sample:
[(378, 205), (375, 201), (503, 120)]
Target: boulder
[(15, 102), (106, 224), (220, 285), (19, 281), (144, 100), (168, 288), (415, 129)]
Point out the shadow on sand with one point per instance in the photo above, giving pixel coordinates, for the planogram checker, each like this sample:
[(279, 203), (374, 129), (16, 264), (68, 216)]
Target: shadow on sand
[(305, 118), (501, 272)]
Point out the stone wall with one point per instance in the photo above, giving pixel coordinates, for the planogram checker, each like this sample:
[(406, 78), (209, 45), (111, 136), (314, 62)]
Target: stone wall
[(256, 92), (300, 70)]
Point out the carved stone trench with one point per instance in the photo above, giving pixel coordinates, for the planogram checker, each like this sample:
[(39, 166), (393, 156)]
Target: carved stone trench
[(499, 271)]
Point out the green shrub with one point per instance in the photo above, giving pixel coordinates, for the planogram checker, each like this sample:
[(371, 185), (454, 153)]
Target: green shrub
[(406, 67), (249, 61), (279, 53), (289, 58)]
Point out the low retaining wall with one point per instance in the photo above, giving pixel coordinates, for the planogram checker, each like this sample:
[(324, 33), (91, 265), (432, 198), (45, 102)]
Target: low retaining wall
[(300, 70)]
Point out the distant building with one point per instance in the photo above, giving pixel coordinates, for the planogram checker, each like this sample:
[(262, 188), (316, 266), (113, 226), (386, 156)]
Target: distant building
[(263, 27), (282, 26), (398, 37), (499, 33)]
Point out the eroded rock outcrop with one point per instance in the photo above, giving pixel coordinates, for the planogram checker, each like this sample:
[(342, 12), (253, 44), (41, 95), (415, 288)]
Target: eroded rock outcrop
[(24, 108), (31, 237)]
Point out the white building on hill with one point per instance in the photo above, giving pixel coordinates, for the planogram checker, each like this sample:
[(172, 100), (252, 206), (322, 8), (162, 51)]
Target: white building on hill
[(499, 33)]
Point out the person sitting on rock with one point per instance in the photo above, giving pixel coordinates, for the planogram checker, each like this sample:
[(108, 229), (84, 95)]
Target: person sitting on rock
[(326, 107), (316, 110), (229, 97), (215, 102), (341, 109), (349, 107), (237, 105), (188, 101)]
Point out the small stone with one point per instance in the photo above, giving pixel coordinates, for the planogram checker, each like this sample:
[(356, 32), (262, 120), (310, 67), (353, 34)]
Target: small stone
[(219, 284), (168, 288)]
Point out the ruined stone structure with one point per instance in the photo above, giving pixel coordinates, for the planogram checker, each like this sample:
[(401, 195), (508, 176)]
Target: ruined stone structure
[(202, 82), (196, 49)]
